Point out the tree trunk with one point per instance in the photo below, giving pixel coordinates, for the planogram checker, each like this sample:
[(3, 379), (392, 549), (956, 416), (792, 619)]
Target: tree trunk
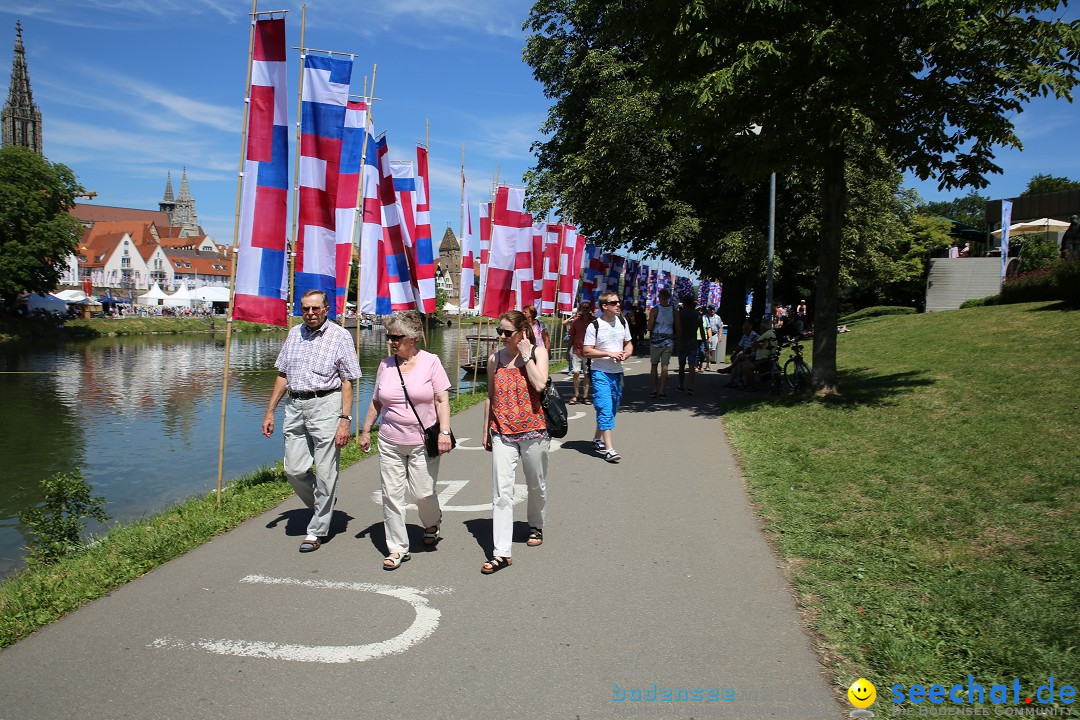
[(826, 304)]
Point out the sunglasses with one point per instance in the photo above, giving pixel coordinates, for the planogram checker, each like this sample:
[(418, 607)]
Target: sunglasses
[(505, 333), (313, 308), (394, 338), (611, 302)]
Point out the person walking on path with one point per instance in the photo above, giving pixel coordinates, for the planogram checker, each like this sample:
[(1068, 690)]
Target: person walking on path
[(607, 343), (579, 364), (515, 429), (539, 329), (316, 368), (716, 328), (662, 328), (411, 393), (688, 333)]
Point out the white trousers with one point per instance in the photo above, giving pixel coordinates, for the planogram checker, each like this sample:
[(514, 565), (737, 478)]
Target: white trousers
[(407, 468), (504, 461), (309, 429)]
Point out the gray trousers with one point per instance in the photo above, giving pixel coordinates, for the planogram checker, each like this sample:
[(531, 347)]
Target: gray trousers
[(309, 429)]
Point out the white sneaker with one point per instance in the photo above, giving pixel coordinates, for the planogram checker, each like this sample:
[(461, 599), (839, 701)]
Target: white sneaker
[(612, 456), (599, 445)]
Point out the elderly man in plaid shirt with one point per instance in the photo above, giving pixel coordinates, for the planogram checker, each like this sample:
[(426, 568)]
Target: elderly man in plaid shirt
[(316, 367)]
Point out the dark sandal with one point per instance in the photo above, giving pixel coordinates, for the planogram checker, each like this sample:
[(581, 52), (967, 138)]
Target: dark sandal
[(572, 401), (588, 401), (495, 564), (536, 537), (432, 537), (310, 545)]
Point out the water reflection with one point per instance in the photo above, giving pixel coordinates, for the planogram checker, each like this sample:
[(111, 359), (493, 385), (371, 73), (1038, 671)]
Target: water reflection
[(140, 416)]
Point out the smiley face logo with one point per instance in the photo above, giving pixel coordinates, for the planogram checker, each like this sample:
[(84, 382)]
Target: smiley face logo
[(862, 693)]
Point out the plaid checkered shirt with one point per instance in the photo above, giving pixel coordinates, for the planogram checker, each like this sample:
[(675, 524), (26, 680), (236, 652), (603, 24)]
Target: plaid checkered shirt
[(318, 360)]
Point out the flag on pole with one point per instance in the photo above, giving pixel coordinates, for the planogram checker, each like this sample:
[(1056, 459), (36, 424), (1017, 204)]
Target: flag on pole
[(579, 264), (539, 238), (352, 153), (468, 254), (629, 283), (615, 264), (395, 286), (523, 267), (654, 290), (485, 248), (371, 227), (510, 221), (552, 260), (594, 273), (1006, 221), (684, 286), (262, 284), (568, 271), (643, 296), (424, 269), (322, 124)]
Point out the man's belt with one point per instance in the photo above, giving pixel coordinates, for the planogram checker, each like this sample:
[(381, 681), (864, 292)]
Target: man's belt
[(312, 394)]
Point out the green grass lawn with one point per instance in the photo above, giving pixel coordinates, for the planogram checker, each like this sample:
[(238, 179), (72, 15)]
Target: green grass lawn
[(929, 516)]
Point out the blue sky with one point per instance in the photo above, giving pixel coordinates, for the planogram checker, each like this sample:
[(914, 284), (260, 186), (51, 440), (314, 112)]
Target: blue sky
[(132, 89)]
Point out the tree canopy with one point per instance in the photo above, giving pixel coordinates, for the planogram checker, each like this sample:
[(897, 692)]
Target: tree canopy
[(36, 232), (652, 103), (1049, 183)]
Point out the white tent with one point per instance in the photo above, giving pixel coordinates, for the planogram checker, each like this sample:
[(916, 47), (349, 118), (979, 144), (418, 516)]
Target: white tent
[(212, 294), (153, 297), (181, 298), (47, 303), (74, 296)]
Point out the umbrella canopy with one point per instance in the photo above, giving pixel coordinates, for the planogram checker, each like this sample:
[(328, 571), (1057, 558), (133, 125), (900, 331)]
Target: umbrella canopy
[(1035, 227)]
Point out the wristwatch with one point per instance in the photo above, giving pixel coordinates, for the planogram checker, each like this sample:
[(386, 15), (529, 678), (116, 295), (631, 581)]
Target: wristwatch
[(444, 432), (345, 417)]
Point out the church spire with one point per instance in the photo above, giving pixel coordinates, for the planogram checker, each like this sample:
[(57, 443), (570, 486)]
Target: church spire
[(168, 188), (184, 215), (20, 120), (185, 194)]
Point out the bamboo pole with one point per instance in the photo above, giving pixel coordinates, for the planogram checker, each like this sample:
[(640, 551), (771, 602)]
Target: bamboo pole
[(359, 225), (236, 241), (296, 167)]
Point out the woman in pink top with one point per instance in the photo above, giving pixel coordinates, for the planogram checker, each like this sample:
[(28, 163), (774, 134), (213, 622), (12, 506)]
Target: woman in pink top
[(403, 461)]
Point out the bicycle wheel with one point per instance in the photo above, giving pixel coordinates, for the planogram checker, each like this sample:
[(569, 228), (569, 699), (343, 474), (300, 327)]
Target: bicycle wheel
[(797, 374)]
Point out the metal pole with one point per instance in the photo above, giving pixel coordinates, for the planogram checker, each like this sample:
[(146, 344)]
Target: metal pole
[(772, 239)]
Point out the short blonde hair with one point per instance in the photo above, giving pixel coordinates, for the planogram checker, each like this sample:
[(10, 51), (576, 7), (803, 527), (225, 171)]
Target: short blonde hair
[(405, 323)]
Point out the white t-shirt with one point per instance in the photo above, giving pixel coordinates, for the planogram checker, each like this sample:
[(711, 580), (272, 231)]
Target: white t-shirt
[(611, 337)]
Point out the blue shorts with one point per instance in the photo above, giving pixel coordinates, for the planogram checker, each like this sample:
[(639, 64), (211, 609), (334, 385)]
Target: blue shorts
[(607, 394), (688, 354)]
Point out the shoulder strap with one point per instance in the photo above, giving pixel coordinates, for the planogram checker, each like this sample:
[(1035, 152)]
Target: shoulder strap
[(404, 390)]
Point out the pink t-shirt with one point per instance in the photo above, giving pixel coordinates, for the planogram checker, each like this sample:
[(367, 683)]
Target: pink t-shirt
[(426, 378)]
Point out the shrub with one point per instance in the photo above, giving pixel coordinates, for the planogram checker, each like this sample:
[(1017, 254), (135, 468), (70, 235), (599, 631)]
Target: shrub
[(1034, 286), (981, 302), (1037, 252), (57, 525), (877, 311)]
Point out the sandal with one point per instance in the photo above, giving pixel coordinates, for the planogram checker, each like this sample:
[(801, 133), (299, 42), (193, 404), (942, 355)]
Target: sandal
[(395, 562), (572, 401), (536, 537), (495, 564), (652, 394), (432, 537), (588, 401), (310, 545)]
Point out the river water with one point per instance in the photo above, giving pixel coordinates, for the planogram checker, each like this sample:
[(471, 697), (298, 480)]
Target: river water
[(140, 416)]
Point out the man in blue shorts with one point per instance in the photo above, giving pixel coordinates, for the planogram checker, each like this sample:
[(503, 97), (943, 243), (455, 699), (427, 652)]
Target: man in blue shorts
[(607, 343)]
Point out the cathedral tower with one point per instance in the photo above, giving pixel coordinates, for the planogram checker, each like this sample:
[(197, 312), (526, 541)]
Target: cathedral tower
[(21, 118), (184, 216)]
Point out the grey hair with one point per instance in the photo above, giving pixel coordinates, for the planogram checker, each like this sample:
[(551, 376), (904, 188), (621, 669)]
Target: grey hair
[(405, 323)]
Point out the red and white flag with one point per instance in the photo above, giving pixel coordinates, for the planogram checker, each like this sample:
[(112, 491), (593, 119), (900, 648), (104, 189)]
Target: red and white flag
[(550, 281), (485, 248), (510, 222), (569, 267), (468, 254)]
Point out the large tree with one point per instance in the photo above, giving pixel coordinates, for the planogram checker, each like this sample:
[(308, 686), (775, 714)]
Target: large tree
[(935, 85), (1043, 183), (36, 232)]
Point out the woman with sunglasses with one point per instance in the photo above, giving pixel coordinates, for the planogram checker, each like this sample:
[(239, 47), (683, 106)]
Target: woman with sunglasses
[(515, 429), (403, 461)]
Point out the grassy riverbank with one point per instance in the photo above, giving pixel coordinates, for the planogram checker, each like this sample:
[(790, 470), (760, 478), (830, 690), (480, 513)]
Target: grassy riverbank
[(929, 517), (38, 595), (43, 328)]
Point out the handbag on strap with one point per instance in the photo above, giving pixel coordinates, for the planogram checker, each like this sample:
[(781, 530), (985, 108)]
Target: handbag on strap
[(431, 434)]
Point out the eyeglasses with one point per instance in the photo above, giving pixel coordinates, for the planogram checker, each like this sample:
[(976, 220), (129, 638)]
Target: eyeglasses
[(611, 302), (505, 333), (394, 338), (313, 308)]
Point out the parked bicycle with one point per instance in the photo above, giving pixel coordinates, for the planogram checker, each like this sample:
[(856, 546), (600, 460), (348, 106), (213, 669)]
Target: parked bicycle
[(796, 370)]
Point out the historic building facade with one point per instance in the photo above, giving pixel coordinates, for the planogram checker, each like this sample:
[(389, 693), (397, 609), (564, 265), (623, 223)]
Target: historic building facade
[(20, 120)]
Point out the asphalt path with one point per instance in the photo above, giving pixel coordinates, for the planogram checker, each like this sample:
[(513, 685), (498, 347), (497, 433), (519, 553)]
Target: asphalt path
[(654, 575)]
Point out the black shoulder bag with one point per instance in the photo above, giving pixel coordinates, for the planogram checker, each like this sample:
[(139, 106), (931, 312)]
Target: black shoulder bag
[(431, 434)]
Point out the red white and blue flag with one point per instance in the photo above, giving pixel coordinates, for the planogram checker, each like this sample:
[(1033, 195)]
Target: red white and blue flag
[(322, 123), (424, 268), (357, 118), (643, 297), (352, 154), (262, 283), (395, 286), (468, 252), (629, 283)]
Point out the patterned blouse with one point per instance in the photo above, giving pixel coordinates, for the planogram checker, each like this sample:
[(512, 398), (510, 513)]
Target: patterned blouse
[(516, 411)]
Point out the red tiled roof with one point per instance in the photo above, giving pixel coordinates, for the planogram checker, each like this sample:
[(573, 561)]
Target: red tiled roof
[(141, 231), (107, 213), (202, 265), (96, 248)]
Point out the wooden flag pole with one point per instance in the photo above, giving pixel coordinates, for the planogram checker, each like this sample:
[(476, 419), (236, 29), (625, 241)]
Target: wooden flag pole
[(236, 241), (484, 268), (359, 228), (427, 146), (296, 168), (461, 234)]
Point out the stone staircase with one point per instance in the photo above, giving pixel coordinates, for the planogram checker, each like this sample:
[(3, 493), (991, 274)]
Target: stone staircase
[(952, 281)]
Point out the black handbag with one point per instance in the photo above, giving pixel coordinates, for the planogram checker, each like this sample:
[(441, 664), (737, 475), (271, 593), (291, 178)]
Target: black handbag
[(431, 434), (554, 411)]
